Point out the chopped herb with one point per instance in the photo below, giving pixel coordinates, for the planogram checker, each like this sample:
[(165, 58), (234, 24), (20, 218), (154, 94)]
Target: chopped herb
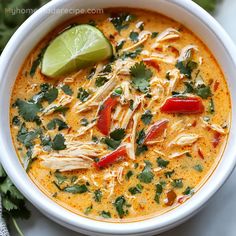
[(141, 149), (57, 123), (84, 122), (189, 87), (117, 134), (188, 155), (107, 69), (204, 92), (67, 90), (198, 168), (147, 117), (28, 110), (188, 191), (95, 139), (100, 81), (129, 174), (76, 189), (146, 176), (186, 68), (159, 190), (88, 210), (177, 183), (131, 104), (37, 62), (140, 76), (211, 106), (106, 214), (141, 137), (133, 54), (16, 121), (136, 165), (58, 142), (162, 163), (141, 26), (137, 189), (120, 45), (83, 95), (168, 174), (51, 95), (111, 143), (119, 204), (121, 21), (134, 36), (60, 178), (154, 35), (97, 195)]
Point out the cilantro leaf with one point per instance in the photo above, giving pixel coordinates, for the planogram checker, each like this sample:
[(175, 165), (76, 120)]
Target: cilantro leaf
[(117, 134), (119, 204), (146, 176), (134, 36), (140, 76), (28, 110), (111, 143), (120, 45), (106, 214), (129, 174), (97, 195), (58, 142), (51, 95), (100, 81), (186, 68), (67, 90), (159, 190), (177, 183), (147, 117), (60, 178), (57, 122), (83, 95), (162, 163), (121, 20), (137, 189), (132, 54), (76, 189)]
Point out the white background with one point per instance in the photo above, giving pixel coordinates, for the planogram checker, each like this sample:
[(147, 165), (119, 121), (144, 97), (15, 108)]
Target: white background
[(218, 218)]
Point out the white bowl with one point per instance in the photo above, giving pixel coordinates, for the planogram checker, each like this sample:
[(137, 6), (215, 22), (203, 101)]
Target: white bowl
[(42, 22)]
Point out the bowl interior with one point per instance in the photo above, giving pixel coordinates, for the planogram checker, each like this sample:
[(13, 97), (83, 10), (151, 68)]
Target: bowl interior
[(42, 22)]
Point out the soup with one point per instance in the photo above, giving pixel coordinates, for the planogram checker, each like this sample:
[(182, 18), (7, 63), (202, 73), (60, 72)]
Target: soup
[(130, 137)]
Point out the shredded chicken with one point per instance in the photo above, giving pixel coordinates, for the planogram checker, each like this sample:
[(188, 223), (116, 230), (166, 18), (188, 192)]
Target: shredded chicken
[(214, 127), (130, 112), (186, 52), (126, 95), (66, 164), (143, 36), (185, 139), (174, 76), (177, 154), (158, 57)]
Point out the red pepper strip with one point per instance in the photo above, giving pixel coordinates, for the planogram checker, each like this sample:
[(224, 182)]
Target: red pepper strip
[(156, 130), (151, 62), (111, 157), (216, 139), (189, 105), (104, 115)]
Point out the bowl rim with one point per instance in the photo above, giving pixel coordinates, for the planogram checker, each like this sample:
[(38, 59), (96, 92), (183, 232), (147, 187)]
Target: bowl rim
[(82, 223)]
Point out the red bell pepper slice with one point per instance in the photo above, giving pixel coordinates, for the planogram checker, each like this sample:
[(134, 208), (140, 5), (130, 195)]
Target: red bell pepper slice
[(104, 115), (216, 139), (156, 130), (112, 157), (189, 105)]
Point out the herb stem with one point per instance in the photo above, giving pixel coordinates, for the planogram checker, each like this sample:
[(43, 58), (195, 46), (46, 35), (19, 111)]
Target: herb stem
[(20, 233)]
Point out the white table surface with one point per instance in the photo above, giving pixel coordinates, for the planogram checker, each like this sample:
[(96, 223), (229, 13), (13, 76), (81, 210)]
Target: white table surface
[(218, 218)]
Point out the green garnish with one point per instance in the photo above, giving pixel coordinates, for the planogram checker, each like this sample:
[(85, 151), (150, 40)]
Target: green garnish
[(188, 191), (140, 77), (134, 36), (177, 183), (76, 189), (137, 189), (100, 81), (159, 190), (198, 168), (117, 134), (211, 106), (120, 45), (84, 122), (106, 214), (146, 176), (121, 21), (129, 174), (119, 205), (60, 178), (97, 195), (162, 163), (67, 90), (58, 142), (83, 95), (57, 123), (147, 117), (88, 209)]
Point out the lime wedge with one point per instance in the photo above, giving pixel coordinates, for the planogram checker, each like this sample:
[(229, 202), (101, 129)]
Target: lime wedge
[(76, 48)]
